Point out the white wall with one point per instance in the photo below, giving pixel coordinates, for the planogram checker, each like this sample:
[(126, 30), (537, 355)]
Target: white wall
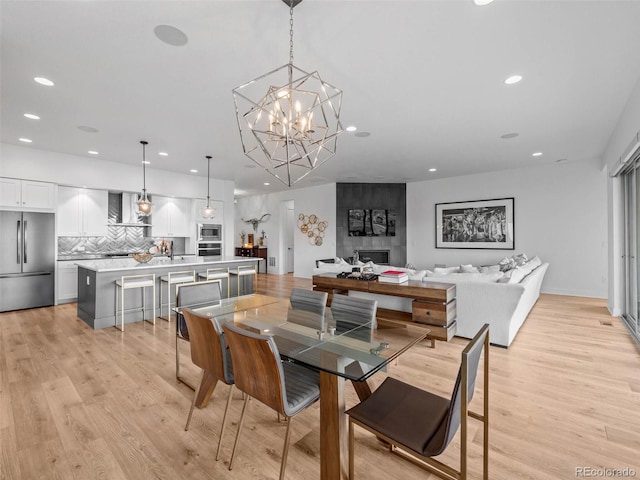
[(320, 200), (627, 128), (33, 164), (560, 215)]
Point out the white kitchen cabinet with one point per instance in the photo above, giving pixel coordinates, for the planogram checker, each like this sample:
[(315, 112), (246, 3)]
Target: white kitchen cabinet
[(67, 282), (170, 217), (27, 194), (82, 212)]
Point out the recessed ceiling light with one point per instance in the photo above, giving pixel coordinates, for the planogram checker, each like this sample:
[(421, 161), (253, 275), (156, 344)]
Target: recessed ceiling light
[(433, 169), (512, 79), (266, 183), (32, 116), (507, 136), (25, 140), (193, 170), (44, 81), (87, 129), (537, 154), (351, 128), (482, 3), (363, 134), (170, 35), (92, 152), (146, 162), (163, 154)]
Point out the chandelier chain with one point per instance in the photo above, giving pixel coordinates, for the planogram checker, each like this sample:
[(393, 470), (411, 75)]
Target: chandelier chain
[(291, 32)]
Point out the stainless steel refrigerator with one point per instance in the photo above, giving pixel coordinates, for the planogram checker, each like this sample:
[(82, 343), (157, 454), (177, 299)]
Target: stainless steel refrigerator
[(27, 260)]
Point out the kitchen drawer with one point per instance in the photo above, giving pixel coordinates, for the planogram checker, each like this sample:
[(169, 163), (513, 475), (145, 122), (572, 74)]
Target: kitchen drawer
[(442, 333), (434, 313)]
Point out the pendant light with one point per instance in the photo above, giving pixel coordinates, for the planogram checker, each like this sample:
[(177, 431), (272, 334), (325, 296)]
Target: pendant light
[(208, 211), (289, 119), (144, 204)]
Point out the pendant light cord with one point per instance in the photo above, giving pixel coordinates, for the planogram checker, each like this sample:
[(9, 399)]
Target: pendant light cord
[(144, 168), (208, 176)]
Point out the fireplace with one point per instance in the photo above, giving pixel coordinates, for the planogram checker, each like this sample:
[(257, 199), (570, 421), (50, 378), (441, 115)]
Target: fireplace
[(381, 257)]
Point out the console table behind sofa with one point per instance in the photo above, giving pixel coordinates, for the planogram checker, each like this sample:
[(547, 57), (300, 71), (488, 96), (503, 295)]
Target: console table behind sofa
[(433, 305)]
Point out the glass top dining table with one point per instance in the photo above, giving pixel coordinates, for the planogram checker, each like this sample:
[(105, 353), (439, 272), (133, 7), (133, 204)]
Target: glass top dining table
[(336, 351), (355, 352)]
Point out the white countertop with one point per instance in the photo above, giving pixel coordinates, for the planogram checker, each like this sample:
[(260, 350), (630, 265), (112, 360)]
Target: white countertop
[(119, 264)]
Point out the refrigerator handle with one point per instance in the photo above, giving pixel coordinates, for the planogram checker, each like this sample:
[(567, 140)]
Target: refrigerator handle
[(18, 243), (25, 242)]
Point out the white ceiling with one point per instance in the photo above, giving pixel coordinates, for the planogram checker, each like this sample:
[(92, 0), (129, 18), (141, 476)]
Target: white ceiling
[(425, 78)]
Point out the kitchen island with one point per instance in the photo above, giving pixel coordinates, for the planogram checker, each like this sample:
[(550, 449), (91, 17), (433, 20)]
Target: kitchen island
[(97, 288)]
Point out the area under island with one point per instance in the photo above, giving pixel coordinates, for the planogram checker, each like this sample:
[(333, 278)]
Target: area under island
[(97, 284)]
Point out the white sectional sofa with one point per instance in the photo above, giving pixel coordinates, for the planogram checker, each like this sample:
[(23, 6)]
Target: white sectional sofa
[(481, 297)]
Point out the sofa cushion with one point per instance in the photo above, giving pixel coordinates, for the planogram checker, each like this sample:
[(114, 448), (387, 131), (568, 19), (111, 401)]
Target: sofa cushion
[(446, 270), (333, 267), (491, 277)]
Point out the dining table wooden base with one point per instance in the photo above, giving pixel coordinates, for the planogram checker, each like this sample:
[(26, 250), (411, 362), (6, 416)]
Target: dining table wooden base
[(333, 423)]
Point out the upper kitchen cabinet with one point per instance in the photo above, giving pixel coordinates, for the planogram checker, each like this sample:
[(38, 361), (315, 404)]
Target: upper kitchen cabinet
[(27, 195), (82, 212), (170, 217)]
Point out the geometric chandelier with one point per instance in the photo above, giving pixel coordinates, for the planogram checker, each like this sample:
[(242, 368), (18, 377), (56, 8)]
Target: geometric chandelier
[(289, 119)]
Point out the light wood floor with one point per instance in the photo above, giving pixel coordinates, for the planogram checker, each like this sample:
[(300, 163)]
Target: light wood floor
[(81, 404)]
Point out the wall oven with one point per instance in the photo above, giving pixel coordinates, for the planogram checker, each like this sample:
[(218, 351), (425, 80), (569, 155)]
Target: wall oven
[(209, 232), (209, 249)]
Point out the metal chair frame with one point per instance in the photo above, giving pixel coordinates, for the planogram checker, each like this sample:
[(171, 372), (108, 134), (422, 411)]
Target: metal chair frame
[(127, 282), (174, 278), (430, 464)]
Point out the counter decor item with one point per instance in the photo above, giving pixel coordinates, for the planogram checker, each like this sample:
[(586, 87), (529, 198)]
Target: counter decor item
[(142, 257)]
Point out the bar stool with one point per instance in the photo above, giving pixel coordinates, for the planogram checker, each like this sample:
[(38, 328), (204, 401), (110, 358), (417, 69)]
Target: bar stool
[(174, 278), (219, 273), (128, 282), (243, 271)]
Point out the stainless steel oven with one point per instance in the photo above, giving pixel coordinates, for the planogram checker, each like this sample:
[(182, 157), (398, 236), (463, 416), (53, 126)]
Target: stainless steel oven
[(209, 232), (209, 249)]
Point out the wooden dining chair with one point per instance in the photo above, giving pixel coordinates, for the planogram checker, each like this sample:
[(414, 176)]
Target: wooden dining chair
[(192, 295), (308, 308), (209, 351), (420, 425), (287, 388)]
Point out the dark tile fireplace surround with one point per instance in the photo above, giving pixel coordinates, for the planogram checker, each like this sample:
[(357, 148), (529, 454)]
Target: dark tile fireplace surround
[(386, 196)]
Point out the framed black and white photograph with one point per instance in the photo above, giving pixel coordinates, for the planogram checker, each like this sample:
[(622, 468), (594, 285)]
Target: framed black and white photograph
[(372, 223), (476, 224)]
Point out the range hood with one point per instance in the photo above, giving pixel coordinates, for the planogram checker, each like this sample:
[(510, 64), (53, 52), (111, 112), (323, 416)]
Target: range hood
[(122, 211)]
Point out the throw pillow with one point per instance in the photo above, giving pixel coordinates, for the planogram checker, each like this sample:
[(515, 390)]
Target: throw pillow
[(489, 269), (468, 269), (520, 258), (507, 263)]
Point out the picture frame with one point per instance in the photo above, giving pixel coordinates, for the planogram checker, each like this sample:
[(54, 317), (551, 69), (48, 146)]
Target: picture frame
[(365, 222), (476, 224)]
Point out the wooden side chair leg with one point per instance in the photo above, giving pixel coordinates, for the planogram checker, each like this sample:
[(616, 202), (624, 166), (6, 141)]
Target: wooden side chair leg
[(193, 403)]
